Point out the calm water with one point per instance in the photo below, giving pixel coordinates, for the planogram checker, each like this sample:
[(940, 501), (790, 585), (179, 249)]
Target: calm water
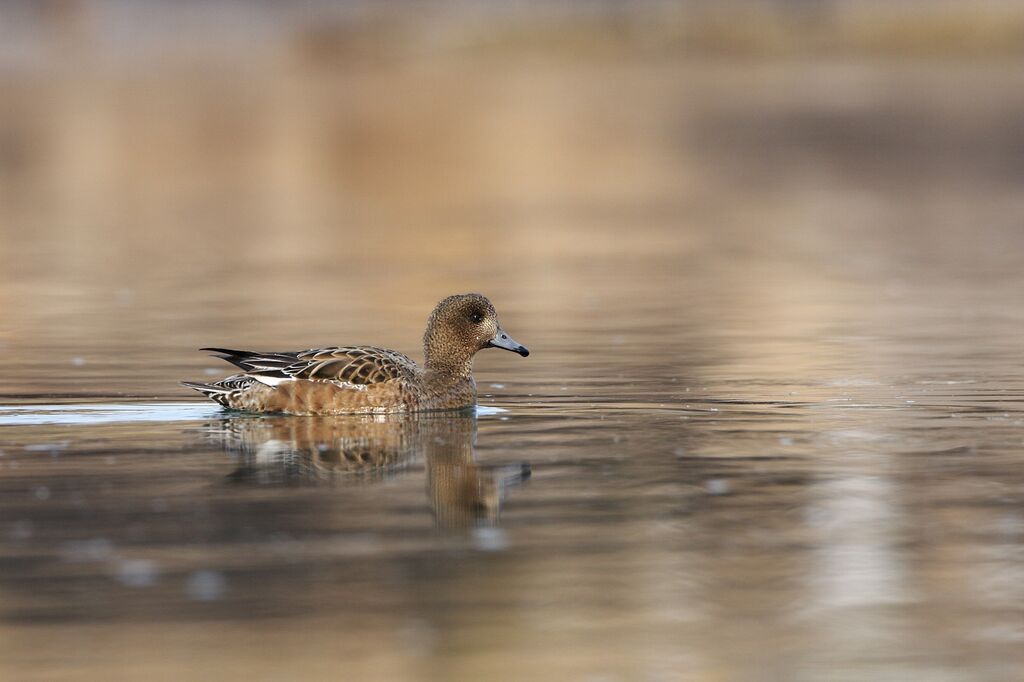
[(650, 502), (772, 425)]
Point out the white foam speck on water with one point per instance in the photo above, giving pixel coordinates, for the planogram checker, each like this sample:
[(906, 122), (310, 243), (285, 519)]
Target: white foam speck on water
[(137, 572), (717, 486), (104, 413), (205, 585), (489, 539), (488, 411)]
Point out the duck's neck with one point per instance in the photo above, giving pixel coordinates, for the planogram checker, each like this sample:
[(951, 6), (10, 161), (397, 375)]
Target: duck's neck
[(444, 359), (444, 367)]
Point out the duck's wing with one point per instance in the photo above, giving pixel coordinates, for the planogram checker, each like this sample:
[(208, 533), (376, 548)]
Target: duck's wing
[(359, 365), (354, 365)]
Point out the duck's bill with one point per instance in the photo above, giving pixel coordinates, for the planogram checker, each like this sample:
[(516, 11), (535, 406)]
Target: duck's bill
[(503, 340)]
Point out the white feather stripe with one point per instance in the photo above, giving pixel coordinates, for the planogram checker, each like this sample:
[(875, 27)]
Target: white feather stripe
[(270, 381)]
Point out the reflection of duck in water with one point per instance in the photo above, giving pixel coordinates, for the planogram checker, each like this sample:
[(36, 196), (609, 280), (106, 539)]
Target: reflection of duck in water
[(281, 449), (462, 492), (284, 450)]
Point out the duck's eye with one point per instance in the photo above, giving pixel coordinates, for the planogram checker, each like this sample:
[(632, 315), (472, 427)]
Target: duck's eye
[(476, 317)]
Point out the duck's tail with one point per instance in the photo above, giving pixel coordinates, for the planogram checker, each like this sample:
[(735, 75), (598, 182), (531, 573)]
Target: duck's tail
[(222, 391), (214, 392), (255, 361)]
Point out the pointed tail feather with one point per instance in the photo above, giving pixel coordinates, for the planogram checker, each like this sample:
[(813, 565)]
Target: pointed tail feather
[(255, 361), (235, 357), (212, 391)]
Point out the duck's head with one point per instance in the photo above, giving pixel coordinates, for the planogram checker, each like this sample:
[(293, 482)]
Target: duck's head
[(460, 326)]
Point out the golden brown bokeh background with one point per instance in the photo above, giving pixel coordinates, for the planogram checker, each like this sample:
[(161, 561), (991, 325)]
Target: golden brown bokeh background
[(264, 173)]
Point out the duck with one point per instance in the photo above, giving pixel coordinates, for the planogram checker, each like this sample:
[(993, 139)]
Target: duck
[(366, 379)]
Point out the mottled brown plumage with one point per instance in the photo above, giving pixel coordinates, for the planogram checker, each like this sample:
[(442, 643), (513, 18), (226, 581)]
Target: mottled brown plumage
[(366, 379)]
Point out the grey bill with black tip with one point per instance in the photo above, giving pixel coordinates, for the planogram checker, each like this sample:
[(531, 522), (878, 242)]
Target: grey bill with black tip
[(503, 340)]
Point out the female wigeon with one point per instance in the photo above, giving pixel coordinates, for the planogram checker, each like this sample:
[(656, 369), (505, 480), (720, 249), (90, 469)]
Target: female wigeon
[(365, 379)]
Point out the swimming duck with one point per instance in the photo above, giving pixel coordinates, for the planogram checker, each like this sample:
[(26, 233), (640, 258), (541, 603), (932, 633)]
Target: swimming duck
[(366, 379)]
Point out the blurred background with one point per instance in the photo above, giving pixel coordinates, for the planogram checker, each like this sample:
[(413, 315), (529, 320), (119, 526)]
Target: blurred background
[(768, 255), (177, 175)]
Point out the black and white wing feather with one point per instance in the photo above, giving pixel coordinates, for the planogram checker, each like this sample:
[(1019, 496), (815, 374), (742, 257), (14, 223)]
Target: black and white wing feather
[(357, 365)]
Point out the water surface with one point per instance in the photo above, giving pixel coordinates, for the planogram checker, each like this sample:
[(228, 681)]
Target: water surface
[(772, 425)]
